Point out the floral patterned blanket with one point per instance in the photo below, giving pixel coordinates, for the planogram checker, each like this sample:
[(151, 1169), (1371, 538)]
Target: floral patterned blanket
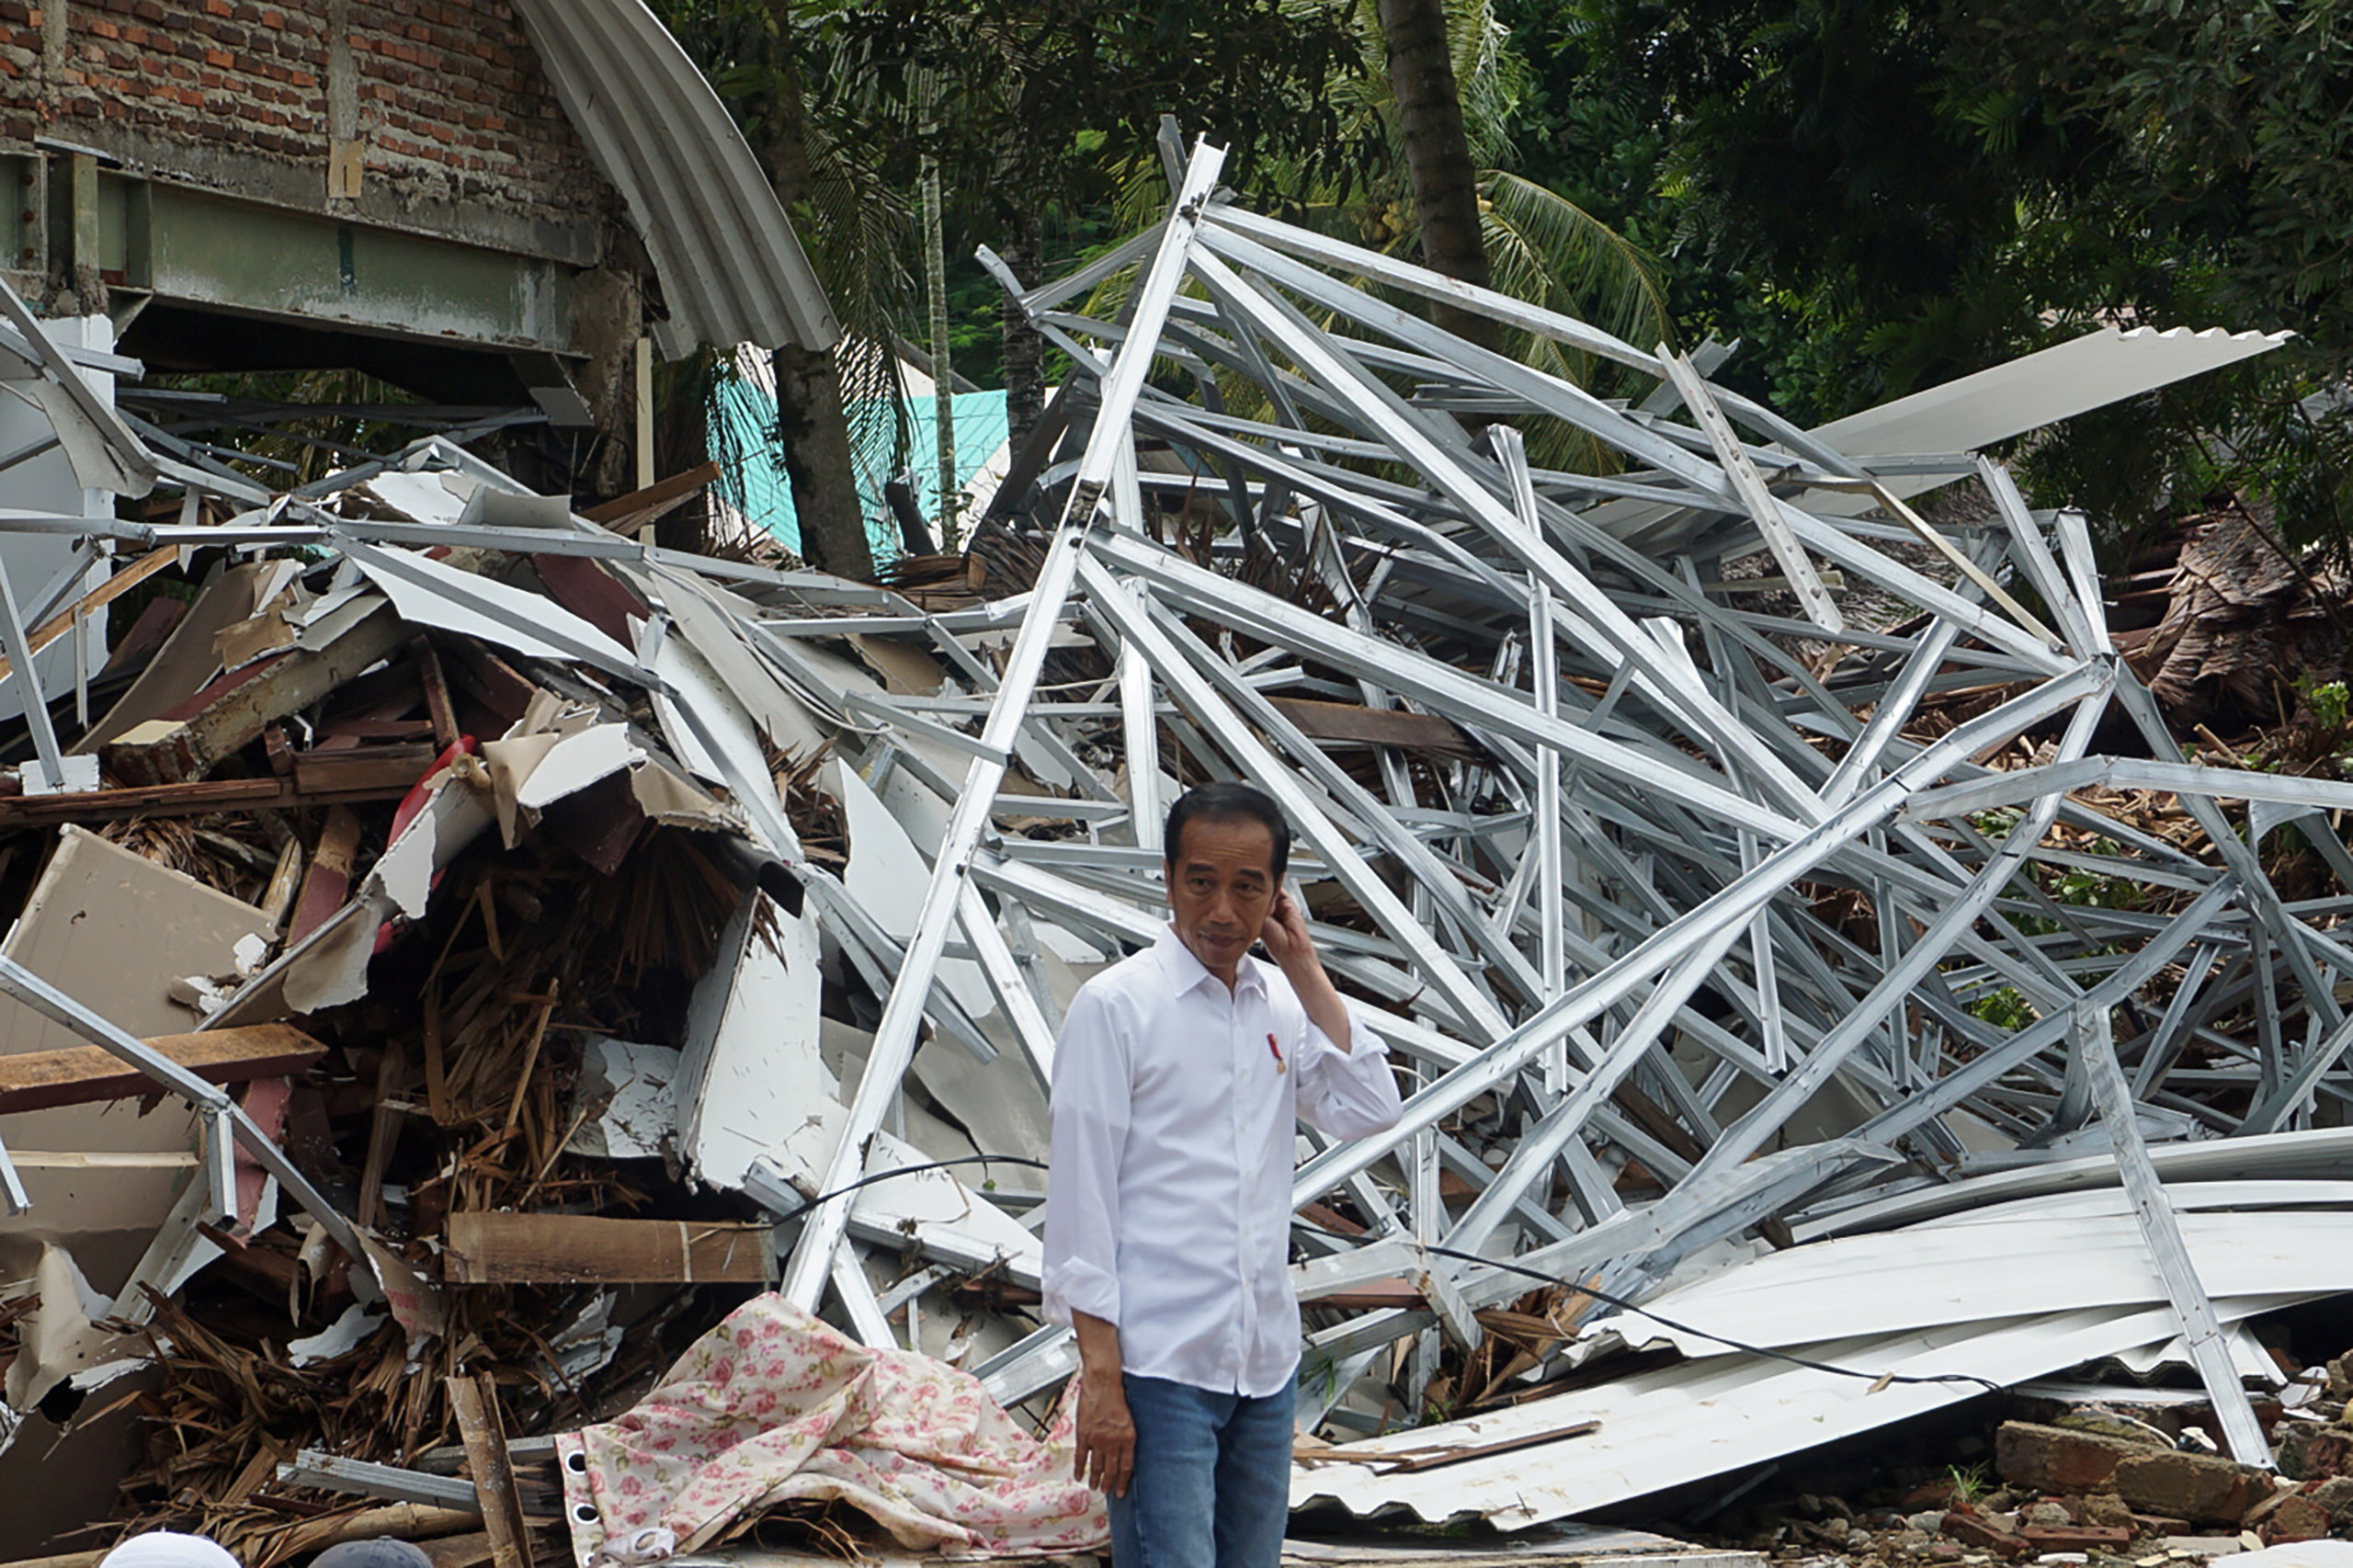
[(775, 1406)]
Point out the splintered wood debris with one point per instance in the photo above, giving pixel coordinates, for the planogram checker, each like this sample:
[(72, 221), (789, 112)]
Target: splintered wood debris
[(619, 928)]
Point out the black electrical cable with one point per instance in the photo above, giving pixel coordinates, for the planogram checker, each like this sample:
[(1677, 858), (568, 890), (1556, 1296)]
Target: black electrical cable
[(1879, 1379), (897, 1171), (1627, 1306)]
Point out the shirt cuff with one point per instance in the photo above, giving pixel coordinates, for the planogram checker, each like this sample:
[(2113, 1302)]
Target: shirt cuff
[(1075, 1286)]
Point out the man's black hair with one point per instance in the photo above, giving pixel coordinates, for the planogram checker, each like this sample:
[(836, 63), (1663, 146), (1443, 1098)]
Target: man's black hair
[(1227, 801)]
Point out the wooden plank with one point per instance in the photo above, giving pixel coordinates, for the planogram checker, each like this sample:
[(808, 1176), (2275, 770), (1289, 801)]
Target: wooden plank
[(105, 592), (437, 694), (491, 681), (202, 797), (327, 885), (565, 1249), (392, 765), (475, 1401), (627, 514), (83, 1074), (1345, 723), (384, 1132), (285, 881)]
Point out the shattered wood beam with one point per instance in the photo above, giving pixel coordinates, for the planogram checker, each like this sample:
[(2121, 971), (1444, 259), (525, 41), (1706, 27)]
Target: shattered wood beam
[(627, 514), (894, 1036), (232, 712), (330, 787), (1348, 723), (83, 1074), (474, 1401), (113, 588)]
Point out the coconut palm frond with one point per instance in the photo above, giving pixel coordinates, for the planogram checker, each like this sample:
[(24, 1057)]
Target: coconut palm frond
[(858, 234), (1545, 248)]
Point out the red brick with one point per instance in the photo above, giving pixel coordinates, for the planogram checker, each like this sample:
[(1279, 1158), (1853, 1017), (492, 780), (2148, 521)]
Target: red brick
[(2075, 1538), (1973, 1530)]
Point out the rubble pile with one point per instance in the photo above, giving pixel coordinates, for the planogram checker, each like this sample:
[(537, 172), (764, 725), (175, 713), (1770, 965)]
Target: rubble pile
[(1809, 1020)]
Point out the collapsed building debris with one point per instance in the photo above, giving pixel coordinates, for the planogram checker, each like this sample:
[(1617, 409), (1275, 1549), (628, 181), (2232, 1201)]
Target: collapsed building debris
[(1810, 1018)]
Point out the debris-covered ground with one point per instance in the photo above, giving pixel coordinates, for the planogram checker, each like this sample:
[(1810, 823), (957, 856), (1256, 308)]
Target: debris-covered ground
[(553, 966)]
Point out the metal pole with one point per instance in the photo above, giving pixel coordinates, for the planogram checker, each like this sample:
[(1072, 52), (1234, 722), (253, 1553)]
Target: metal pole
[(894, 1036)]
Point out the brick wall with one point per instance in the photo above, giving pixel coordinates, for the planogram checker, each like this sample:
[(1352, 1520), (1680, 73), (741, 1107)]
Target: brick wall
[(445, 98), (451, 92), (19, 68)]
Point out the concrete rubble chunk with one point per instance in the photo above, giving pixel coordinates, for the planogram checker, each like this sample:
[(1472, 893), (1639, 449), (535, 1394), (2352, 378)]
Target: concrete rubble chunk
[(2195, 1486)]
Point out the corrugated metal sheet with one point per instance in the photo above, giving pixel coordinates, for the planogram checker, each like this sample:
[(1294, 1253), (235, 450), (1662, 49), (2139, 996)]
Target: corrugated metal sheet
[(2322, 1153), (732, 269), (1932, 1275), (1718, 1413), (2058, 382)]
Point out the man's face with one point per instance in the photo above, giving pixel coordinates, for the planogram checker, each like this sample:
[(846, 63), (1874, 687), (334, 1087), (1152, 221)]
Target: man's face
[(1221, 887)]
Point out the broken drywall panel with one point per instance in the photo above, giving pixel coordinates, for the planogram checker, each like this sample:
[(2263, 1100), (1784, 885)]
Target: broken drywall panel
[(669, 797), (887, 875), (575, 762), (714, 735), (357, 1322), (905, 670), (712, 620), (114, 930), (624, 1105), (1000, 1103), (947, 1218), (64, 1338), (427, 497), (750, 1081)]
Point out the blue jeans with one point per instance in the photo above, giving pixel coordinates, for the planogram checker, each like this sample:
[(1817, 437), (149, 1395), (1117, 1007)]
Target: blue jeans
[(1212, 1487)]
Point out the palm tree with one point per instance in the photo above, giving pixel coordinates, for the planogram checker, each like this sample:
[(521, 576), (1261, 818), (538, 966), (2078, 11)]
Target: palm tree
[(1535, 244), (1438, 150)]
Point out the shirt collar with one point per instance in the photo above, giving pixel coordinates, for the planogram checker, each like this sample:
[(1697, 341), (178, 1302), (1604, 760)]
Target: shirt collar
[(1186, 972)]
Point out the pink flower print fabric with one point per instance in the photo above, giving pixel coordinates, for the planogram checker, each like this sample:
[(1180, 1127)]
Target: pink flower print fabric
[(775, 1405)]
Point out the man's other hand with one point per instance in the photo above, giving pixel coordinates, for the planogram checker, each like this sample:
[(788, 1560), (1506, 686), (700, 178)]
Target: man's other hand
[(1106, 1459)]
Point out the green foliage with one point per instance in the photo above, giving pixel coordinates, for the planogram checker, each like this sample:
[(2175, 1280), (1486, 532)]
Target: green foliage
[(1970, 1481), (1541, 244), (2331, 703), (2005, 1008), (1878, 195), (1019, 102)]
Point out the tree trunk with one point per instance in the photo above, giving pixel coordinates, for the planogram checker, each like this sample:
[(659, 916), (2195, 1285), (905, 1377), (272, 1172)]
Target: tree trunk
[(814, 429), (810, 418), (1438, 153), (1025, 382)]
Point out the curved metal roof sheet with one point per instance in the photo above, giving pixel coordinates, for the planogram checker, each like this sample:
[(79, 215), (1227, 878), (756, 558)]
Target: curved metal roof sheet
[(732, 269)]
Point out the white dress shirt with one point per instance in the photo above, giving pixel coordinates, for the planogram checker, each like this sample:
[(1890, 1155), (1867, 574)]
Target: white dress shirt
[(1168, 1204)]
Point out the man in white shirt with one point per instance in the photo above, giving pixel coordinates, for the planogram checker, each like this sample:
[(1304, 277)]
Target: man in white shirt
[(1178, 1079)]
